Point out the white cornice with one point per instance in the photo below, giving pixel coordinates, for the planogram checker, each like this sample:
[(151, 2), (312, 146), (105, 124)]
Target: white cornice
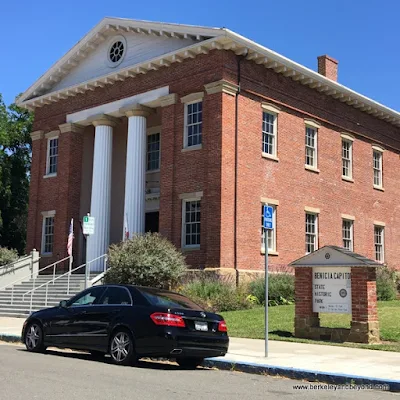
[(207, 39)]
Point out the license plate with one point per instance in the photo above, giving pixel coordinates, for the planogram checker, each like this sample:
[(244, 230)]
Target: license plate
[(201, 326)]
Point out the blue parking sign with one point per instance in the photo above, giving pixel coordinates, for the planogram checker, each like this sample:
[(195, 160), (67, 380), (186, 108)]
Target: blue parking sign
[(268, 220)]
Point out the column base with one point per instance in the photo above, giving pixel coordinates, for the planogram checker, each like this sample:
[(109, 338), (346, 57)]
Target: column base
[(364, 332)]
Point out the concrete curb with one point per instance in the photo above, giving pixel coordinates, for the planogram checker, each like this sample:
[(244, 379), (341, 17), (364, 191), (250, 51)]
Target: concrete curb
[(302, 374), (292, 373)]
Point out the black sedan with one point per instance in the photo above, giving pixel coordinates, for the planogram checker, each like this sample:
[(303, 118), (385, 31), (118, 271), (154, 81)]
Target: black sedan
[(129, 322)]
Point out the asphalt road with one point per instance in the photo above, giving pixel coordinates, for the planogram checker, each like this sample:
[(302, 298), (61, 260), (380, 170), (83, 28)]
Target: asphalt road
[(70, 376)]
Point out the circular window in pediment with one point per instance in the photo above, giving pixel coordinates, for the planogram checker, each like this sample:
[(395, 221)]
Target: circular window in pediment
[(116, 51)]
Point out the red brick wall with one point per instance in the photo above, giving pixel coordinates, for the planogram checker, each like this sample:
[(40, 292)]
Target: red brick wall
[(295, 187), (212, 168)]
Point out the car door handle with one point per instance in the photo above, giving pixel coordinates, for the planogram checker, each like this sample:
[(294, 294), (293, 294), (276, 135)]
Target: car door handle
[(83, 312)]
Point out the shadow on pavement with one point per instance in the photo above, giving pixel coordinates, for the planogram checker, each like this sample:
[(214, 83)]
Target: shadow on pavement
[(146, 363), (282, 333)]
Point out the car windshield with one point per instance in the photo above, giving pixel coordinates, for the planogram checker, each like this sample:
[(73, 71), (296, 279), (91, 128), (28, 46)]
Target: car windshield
[(168, 299)]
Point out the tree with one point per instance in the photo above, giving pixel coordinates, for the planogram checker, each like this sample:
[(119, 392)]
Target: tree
[(146, 260), (15, 161)]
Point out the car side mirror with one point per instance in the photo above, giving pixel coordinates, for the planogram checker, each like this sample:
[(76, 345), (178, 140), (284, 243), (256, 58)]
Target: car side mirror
[(63, 303)]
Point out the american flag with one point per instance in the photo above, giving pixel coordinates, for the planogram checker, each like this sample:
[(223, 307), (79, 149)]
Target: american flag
[(70, 237)]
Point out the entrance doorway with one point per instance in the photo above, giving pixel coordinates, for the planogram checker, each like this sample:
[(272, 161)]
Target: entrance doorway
[(151, 221)]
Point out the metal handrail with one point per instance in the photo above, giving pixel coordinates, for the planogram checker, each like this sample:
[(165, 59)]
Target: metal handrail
[(34, 277), (66, 273)]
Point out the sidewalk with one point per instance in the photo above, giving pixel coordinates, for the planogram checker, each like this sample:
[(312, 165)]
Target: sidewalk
[(332, 364)]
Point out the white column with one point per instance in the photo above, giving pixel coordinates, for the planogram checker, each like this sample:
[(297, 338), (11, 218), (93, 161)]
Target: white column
[(135, 178), (100, 206)]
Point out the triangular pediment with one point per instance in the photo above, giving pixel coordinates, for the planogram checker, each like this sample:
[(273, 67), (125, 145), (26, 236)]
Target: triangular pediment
[(89, 59), (329, 256), (138, 49)]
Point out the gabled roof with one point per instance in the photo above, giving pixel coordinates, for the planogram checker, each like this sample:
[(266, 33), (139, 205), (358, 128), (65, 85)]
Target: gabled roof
[(330, 256), (205, 40)]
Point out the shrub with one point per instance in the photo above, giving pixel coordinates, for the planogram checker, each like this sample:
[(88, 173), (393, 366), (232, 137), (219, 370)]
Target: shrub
[(280, 289), (146, 260), (386, 284), (7, 256), (215, 295)]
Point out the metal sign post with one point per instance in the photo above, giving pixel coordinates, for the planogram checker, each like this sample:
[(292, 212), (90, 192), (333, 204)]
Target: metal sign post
[(87, 230), (268, 224)]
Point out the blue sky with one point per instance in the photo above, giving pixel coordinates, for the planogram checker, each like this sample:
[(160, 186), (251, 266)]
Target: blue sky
[(362, 35)]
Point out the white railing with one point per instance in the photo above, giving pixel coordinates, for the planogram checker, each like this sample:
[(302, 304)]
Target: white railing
[(33, 276), (104, 257)]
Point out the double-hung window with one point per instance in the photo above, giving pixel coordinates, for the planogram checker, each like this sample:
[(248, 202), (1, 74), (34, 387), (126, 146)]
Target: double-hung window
[(269, 130), (377, 157), (379, 243), (311, 225), (191, 219), (347, 234), (193, 124), (347, 158), (269, 233), (311, 144), (153, 151), (48, 232), (52, 156)]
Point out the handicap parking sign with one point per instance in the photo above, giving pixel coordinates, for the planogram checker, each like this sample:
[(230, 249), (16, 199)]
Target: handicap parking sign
[(268, 217)]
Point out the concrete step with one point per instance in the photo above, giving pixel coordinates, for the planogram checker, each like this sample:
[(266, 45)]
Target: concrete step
[(7, 311), (5, 303), (55, 284), (12, 314), (25, 308), (50, 289)]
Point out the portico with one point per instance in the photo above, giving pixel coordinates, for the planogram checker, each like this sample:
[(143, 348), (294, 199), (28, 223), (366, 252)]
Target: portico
[(116, 162)]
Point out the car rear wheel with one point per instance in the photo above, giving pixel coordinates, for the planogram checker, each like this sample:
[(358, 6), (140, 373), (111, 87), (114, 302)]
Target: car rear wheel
[(189, 362), (122, 348), (34, 338)]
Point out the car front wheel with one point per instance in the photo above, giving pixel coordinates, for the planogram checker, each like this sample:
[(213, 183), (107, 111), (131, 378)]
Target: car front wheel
[(34, 338), (189, 362), (122, 349)]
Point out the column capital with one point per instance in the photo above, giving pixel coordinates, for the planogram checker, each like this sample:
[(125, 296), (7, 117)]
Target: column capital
[(169, 100), (103, 120), (136, 110), (37, 135), (222, 86), (68, 127)]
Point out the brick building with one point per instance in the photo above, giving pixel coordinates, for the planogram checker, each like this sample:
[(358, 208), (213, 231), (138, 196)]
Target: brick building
[(189, 131)]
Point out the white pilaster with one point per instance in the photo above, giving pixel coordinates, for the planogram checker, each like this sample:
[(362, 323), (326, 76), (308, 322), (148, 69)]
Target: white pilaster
[(100, 206), (135, 180)]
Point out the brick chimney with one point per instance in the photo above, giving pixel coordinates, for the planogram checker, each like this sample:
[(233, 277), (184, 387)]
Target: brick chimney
[(328, 67)]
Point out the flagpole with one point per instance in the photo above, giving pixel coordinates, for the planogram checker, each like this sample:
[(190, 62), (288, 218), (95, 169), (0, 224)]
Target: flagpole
[(71, 258)]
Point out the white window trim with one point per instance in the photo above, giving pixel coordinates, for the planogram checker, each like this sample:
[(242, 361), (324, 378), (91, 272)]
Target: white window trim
[(350, 142), (151, 131), (187, 100), (274, 204), (269, 110), (45, 214), (351, 232), (376, 149), (185, 199), (50, 136), (381, 225), (315, 126), (316, 213)]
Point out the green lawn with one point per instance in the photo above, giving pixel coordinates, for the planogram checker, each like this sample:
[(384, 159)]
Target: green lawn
[(250, 324)]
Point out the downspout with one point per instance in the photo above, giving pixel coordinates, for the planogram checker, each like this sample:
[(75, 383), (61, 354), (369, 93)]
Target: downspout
[(239, 59)]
